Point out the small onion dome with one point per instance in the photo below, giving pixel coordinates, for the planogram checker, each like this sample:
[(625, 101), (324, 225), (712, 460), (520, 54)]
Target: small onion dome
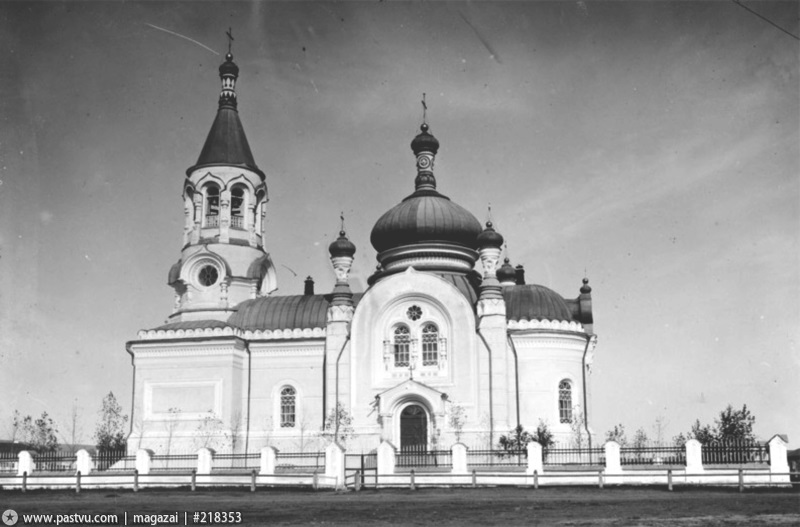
[(506, 273), (341, 246), (490, 237), (424, 142), (585, 289), (229, 67)]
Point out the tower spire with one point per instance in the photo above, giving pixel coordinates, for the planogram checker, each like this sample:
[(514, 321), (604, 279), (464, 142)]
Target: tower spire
[(228, 73), (425, 147)]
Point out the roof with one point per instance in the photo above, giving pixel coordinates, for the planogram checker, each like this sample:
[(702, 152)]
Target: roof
[(535, 302), (226, 144), (193, 324), (283, 312)]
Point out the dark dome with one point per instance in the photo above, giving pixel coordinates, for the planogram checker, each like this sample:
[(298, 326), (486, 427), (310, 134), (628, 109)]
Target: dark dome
[(535, 302), (490, 237), (341, 246), (424, 142), (506, 273), (425, 216), (229, 66)]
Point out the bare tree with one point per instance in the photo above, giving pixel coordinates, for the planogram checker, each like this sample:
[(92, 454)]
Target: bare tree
[(456, 420), (73, 430), (580, 438), (171, 424), (208, 432), (659, 428), (14, 429), (234, 430)]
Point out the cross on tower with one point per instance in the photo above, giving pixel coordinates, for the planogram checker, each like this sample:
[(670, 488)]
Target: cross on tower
[(230, 38), (424, 107)]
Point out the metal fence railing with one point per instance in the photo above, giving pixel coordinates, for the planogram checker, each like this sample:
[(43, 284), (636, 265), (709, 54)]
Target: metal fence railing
[(56, 461), (236, 461), (302, 462), (420, 456), (8, 462), (652, 454), (497, 458), (735, 453), (114, 460), (558, 455), (173, 462)]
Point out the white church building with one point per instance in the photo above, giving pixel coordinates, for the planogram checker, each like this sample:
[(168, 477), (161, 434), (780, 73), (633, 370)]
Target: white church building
[(442, 327)]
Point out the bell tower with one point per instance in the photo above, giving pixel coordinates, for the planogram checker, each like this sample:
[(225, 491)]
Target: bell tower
[(223, 261)]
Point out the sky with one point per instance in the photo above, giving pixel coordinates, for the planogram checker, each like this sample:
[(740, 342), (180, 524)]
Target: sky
[(650, 146)]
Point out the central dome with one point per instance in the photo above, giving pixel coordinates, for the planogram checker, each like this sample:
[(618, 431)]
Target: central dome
[(423, 217), (426, 216)]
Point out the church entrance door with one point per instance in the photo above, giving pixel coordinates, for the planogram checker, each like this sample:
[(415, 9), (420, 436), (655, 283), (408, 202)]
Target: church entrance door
[(413, 432)]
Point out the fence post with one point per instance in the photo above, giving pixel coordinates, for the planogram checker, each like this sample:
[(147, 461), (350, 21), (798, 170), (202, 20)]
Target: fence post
[(778, 460), (205, 460), (741, 480), (459, 453), (600, 478), (386, 458), (194, 479), (357, 480), (536, 479), (474, 479), (83, 461), (25, 463), (669, 479), (143, 458), (78, 482), (135, 480), (268, 456), (694, 457), (334, 464), (24, 481), (315, 481), (535, 461), (613, 462), (411, 484)]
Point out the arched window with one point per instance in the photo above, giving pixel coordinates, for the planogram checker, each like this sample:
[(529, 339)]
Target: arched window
[(430, 345), (257, 211), (212, 205), (402, 347), (565, 401), (237, 207), (288, 405)]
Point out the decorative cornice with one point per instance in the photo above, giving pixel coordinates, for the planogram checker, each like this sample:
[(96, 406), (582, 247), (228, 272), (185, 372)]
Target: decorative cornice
[(186, 351), (267, 334), (562, 325)]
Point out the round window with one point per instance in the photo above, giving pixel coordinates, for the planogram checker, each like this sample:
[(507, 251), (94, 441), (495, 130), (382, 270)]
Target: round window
[(208, 275)]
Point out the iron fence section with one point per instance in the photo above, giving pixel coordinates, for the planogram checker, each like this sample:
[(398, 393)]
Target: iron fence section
[(420, 456), (114, 460), (303, 462), (173, 462), (557, 455), (734, 453), (55, 461), (8, 462), (236, 461), (652, 454), (493, 458)]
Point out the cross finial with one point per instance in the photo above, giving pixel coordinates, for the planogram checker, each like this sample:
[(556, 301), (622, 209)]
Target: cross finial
[(424, 108), (230, 38), (341, 217), (490, 212)]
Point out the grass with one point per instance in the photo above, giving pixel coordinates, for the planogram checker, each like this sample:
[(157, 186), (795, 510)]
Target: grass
[(507, 506)]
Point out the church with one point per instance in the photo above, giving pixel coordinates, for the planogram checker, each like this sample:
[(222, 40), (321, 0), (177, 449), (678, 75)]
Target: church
[(448, 343)]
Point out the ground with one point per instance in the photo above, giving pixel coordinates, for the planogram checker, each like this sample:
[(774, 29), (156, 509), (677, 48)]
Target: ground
[(442, 507)]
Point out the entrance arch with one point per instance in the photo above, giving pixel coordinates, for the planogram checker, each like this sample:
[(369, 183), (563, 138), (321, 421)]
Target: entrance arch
[(414, 428)]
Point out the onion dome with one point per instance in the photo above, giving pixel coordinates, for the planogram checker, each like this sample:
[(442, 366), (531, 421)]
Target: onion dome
[(585, 288), (226, 143), (424, 142), (507, 274), (341, 246), (490, 237), (426, 216)]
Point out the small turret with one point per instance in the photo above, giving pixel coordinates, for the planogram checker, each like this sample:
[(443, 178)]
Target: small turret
[(507, 275), (489, 243), (342, 251)]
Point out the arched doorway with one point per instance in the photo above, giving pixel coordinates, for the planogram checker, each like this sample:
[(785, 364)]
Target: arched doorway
[(413, 429)]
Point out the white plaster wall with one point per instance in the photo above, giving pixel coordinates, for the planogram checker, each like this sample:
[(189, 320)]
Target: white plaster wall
[(545, 358)]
